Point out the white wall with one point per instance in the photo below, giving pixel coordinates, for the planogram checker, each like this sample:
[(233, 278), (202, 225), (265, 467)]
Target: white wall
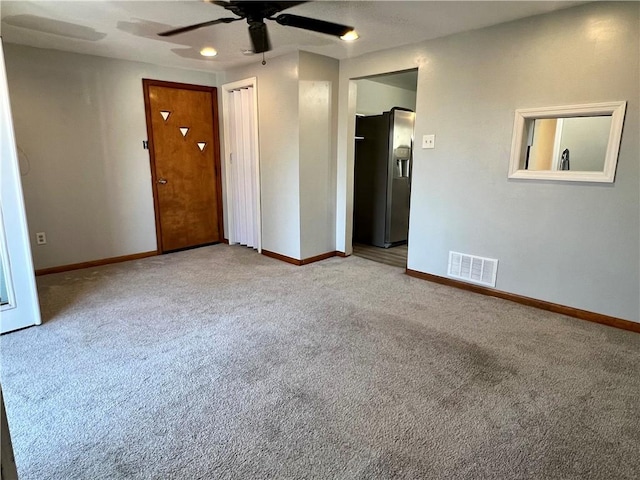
[(318, 100), (80, 124), (375, 97), (572, 244), (278, 125)]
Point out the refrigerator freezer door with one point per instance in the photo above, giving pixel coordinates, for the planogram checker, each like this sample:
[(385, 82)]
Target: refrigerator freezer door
[(397, 211), (382, 178)]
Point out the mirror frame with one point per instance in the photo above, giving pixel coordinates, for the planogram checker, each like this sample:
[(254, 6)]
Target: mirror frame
[(607, 175)]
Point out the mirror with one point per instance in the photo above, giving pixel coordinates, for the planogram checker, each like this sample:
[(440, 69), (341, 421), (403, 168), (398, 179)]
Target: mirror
[(569, 143)]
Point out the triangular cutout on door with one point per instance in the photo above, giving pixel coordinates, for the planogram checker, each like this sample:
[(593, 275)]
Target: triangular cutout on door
[(184, 130), (165, 114), (201, 145)]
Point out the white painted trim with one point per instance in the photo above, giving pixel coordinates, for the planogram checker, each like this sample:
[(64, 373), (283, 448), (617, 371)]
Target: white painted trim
[(345, 189), (607, 175), (27, 310), (227, 88)]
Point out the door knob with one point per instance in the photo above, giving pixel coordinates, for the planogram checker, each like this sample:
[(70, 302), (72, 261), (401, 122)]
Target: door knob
[(162, 181)]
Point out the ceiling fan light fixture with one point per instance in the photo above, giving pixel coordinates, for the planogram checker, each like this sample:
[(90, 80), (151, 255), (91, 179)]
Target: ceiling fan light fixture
[(208, 52), (350, 36), (255, 13)]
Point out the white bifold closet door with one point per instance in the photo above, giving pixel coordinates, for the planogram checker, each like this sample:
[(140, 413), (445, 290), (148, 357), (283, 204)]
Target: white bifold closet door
[(244, 169)]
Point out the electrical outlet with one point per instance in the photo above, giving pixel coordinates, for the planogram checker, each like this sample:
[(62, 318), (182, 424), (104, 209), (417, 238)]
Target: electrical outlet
[(41, 238), (428, 141)]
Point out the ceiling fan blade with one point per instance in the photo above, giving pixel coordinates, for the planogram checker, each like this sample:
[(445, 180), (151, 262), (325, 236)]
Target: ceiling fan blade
[(176, 31), (312, 24), (259, 37)]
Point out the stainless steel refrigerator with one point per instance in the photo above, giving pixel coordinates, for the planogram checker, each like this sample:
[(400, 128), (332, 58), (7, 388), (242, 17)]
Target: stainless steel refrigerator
[(382, 178)]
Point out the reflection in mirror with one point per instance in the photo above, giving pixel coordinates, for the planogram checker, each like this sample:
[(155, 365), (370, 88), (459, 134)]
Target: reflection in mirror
[(575, 142)]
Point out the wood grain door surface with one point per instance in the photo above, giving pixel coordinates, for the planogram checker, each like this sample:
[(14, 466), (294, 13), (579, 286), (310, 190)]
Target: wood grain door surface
[(185, 164)]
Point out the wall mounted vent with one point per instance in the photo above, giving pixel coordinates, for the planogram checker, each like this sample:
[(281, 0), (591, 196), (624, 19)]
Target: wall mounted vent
[(473, 269)]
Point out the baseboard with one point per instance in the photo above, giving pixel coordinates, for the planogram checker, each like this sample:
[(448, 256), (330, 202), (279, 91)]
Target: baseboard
[(225, 241), (531, 302), (95, 263), (317, 258), (282, 258), (304, 261)]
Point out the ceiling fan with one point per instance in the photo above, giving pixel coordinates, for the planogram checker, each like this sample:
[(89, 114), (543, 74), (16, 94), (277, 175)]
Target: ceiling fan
[(256, 12)]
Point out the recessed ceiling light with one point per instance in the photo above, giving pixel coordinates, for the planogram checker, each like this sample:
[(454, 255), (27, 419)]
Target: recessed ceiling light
[(208, 52), (350, 36)]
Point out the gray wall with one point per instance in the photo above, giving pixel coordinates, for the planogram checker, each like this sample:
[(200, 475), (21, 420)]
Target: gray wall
[(573, 244), (375, 98), (318, 125), (79, 123), (278, 130), (297, 100)]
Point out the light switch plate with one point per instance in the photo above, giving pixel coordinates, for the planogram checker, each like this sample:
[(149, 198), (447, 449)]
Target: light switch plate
[(429, 141)]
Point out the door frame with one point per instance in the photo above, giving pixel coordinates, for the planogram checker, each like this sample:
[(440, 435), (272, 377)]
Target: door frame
[(345, 186), (146, 84), (227, 88), (24, 309)]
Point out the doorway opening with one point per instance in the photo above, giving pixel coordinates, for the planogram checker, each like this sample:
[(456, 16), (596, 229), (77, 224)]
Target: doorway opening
[(385, 106)]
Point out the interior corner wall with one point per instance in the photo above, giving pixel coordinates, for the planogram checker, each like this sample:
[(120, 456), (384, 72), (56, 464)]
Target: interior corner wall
[(79, 123), (575, 244), (375, 98), (278, 133), (318, 101)]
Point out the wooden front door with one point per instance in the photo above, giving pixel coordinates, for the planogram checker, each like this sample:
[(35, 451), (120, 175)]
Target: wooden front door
[(182, 124)]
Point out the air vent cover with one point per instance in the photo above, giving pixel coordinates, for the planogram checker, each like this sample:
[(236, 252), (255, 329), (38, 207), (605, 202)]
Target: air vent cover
[(473, 269)]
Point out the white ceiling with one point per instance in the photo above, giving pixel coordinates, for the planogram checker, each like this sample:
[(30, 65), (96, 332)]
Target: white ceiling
[(128, 29)]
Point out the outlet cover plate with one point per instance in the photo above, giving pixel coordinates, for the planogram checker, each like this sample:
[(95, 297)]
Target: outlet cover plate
[(429, 141)]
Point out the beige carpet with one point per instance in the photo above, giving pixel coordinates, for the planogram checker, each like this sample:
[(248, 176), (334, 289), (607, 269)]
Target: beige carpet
[(219, 363)]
